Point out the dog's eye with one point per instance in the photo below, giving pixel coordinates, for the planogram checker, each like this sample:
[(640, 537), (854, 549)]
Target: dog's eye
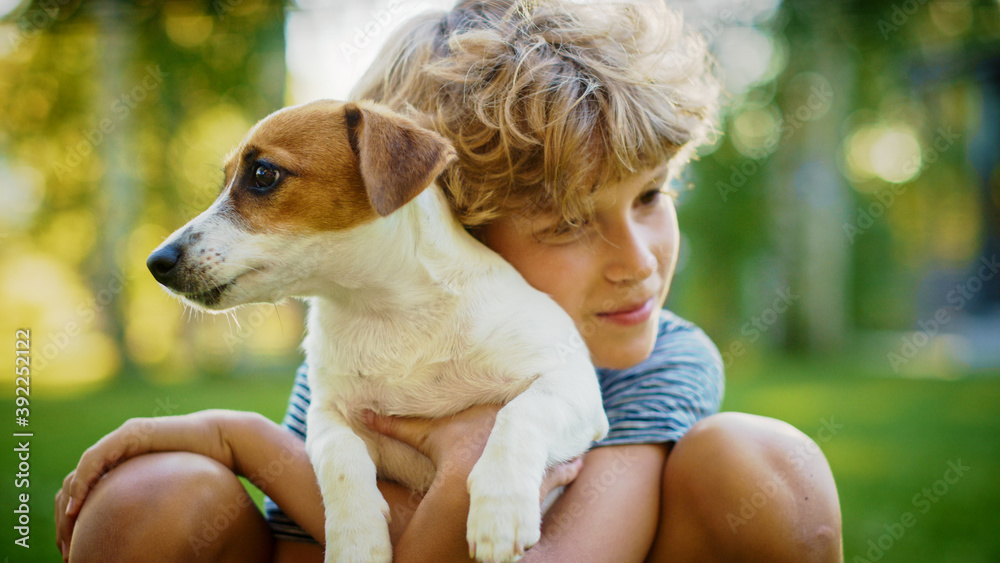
[(265, 176)]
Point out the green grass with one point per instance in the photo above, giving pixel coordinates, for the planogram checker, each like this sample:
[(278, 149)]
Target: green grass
[(892, 438)]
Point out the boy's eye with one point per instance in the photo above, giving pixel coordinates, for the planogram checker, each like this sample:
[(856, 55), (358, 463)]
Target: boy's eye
[(650, 197), (567, 229), (562, 232)]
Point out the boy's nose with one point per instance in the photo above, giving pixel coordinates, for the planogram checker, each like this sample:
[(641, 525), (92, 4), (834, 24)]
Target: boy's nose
[(630, 257)]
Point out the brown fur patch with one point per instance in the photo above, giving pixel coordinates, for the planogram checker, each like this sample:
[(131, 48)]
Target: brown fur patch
[(337, 169), (397, 158), (320, 187)]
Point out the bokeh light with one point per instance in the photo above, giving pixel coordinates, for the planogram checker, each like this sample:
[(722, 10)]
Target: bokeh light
[(895, 154), (888, 152), (21, 196), (755, 132), (747, 56), (41, 292), (186, 25)]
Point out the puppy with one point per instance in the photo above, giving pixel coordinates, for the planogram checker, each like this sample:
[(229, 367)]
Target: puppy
[(408, 315)]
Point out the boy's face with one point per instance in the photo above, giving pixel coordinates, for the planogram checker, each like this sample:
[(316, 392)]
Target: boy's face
[(611, 275)]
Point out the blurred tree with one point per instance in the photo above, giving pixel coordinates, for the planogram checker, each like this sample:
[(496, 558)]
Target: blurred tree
[(867, 188), (95, 96)]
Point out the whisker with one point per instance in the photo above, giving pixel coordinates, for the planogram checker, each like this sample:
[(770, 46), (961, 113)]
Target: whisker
[(236, 320), (245, 266), (278, 314)]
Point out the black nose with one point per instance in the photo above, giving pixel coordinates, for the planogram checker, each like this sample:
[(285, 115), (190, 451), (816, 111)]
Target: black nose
[(162, 263)]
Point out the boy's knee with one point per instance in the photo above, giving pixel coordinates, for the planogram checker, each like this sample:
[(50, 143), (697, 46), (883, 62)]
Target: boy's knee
[(760, 488), (161, 507)]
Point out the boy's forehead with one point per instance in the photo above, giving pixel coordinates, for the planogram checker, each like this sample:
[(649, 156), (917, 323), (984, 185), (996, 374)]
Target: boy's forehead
[(637, 179), (602, 192)]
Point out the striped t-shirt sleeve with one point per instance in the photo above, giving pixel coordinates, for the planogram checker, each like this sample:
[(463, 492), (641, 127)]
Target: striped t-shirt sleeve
[(282, 526), (658, 400)]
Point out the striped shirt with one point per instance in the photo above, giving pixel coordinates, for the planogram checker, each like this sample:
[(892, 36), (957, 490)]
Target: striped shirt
[(655, 401)]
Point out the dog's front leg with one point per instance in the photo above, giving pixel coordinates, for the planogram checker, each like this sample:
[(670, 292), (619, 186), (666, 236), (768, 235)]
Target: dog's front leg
[(553, 420), (357, 515)]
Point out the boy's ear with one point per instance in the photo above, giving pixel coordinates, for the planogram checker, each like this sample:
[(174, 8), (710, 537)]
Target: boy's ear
[(397, 158)]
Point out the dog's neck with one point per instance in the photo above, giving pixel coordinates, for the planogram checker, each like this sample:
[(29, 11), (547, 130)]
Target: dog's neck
[(408, 262)]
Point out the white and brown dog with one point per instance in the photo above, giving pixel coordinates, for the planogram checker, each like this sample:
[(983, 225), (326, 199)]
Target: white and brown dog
[(409, 315)]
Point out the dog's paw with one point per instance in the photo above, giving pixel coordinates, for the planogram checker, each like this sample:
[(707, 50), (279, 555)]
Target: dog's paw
[(360, 536), (504, 519)]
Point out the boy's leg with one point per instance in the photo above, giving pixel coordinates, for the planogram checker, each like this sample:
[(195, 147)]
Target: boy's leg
[(185, 507), (739, 487), (170, 507)]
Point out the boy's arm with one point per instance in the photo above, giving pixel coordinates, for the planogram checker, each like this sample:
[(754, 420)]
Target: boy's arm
[(276, 462), (248, 443), (609, 513)]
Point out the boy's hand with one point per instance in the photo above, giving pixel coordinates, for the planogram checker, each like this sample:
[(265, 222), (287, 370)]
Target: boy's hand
[(454, 444)]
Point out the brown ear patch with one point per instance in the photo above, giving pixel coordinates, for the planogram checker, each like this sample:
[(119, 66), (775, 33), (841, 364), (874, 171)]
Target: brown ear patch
[(320, 187), (397, 159)]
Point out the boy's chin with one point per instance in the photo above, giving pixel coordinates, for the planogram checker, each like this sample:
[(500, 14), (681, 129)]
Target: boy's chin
[(624, 353)]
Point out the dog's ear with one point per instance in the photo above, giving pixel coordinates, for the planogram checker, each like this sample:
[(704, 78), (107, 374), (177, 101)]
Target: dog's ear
[(396, 157)]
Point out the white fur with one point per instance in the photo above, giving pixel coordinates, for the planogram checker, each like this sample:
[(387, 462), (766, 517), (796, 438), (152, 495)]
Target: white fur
[(410, 315)]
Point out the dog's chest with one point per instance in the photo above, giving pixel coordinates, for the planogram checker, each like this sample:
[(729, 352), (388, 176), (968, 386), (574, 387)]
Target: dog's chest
[(429, 389), (438, 375)]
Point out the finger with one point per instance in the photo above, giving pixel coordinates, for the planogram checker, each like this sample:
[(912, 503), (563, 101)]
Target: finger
[(92, 466), (127, 441), (566, 473), (64, 523), (410, 431), (560, 476)]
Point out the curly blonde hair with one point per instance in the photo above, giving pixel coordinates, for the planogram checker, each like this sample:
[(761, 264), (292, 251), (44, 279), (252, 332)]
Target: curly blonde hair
[(547, 100)]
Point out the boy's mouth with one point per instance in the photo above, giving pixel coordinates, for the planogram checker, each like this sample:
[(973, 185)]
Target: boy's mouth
[(630, 314)]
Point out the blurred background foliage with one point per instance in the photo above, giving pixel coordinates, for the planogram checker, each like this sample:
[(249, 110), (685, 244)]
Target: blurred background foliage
[(840, 238)]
